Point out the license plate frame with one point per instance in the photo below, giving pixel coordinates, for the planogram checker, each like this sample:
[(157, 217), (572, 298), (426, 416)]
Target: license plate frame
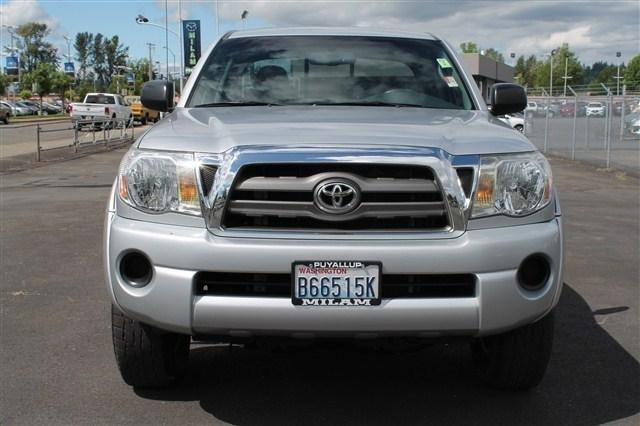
[(337, 301)]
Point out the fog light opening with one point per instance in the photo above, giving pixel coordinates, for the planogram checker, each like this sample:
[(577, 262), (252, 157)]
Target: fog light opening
[(135, 269), (534, 272)]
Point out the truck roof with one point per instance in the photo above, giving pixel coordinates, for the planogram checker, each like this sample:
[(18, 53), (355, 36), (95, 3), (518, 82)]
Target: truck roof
[(329, 31)]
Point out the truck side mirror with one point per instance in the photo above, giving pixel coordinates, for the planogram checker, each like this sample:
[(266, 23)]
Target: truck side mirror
[(507, 98), (158, 95)]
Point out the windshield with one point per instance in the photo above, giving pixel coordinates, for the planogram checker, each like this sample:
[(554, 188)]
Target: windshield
[(100, 99), (330, 70)]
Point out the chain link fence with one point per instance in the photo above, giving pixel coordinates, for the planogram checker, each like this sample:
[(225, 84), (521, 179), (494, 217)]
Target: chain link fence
[(601, 130)]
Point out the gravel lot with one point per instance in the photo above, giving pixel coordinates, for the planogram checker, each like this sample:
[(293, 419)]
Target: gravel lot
[(57, 364)]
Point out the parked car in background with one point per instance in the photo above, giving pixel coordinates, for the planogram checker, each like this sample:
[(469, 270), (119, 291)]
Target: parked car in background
[(567, 110), (18, 109), (554, 108), (5, 113), (141, 113), (535, 108), (595, 109), (100, 108), (33, 109), (618, 106), (632, 123), (48, 108), (515, 120)]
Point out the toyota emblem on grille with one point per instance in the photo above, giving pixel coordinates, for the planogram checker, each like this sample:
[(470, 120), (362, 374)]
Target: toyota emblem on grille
[(337, 196)]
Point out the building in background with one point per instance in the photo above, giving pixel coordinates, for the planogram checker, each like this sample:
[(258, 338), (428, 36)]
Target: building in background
[(486, 72)]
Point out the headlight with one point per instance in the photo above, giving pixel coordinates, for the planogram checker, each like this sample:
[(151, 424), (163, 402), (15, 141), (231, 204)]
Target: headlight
[(159, 182), (512, 185)]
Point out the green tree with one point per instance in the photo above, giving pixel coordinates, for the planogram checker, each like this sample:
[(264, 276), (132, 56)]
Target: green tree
[(25, 94), (115, 55), (606, 76), (35, 49), (4, 82), (632, 74), (574, 70), (590, 72), (44, 78), (61, 83), (525, 70), (99, 61), (493, 54), (83, 45), (469, 47)]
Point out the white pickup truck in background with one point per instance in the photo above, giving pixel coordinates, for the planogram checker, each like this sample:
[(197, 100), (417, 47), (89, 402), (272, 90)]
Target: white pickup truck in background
[(100, 108)]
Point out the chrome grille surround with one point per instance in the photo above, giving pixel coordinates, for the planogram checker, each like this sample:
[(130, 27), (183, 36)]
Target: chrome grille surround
[(442, 164)]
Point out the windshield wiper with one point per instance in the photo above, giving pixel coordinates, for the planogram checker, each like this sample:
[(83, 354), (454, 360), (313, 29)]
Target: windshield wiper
[(236, 103)]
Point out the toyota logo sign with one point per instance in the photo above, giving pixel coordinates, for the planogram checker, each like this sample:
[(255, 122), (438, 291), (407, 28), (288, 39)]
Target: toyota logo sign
[(337, 196)]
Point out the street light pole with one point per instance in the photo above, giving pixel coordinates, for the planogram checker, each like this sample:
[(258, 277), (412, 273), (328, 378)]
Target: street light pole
[(553, 52), (141, 20), (618, 54)]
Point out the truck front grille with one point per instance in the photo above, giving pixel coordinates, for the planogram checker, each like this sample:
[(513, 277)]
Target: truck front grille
[(281, 197), (394, 286)]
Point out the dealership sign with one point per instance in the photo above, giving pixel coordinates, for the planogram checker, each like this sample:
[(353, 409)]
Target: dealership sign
[(11, 65), (69, 69), (191, 34)]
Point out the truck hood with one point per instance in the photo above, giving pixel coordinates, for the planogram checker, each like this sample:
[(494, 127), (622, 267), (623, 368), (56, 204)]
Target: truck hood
[(215, 130)]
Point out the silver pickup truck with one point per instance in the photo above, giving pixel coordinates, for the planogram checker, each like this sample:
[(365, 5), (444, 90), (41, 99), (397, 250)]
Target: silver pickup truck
[(333, 183)]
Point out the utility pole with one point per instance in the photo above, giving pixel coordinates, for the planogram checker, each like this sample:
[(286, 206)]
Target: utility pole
[(151, 46)]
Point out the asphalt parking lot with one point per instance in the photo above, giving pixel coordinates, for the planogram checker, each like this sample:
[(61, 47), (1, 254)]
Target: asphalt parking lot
[(57, 364)]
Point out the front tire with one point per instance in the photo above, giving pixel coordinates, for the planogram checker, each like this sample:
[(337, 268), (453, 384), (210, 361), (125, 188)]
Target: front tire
[(148, 357), (519, 127), (515, 360)]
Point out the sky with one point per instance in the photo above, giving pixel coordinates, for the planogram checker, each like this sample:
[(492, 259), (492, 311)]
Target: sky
[(595, 30)]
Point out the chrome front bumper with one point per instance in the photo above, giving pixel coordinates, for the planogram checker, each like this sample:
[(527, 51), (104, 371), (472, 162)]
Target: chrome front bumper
[(178, 253)]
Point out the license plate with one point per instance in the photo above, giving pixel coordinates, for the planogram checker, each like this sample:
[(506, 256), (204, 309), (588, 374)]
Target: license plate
[(339, 283)]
